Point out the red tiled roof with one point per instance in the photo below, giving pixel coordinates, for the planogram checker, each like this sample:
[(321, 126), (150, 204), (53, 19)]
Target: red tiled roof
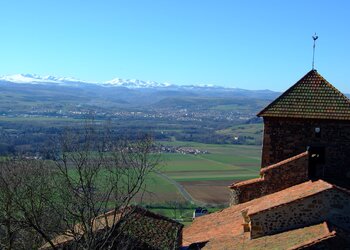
[(225, 223), (284, 240), (288, 195), (147, 227), (311, 97), (224, 229), (312, 242), (277, 241)]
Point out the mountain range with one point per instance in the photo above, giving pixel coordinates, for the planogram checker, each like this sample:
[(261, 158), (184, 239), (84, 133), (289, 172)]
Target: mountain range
[(116, 82), (23, 93)]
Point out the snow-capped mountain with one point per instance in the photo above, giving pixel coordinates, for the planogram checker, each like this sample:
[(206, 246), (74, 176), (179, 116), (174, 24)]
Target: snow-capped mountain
[(116, 82), (134, 83), (124, 92), (36, 79), (70, 81)]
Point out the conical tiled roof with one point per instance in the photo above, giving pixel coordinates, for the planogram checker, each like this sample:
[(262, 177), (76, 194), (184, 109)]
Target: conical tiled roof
[(311, 97)]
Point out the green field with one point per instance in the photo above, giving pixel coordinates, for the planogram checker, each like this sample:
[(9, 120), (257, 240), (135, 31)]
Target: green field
[(156, 189), (224, 162), (248, 133), (243, 129)]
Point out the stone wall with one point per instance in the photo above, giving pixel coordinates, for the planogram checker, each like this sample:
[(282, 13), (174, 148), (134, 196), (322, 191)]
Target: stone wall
[(285, 137), (287, 173), (247, 190), (274, 178), (331, 205)]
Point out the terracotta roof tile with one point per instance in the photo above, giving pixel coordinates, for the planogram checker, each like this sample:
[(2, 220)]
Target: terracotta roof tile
[(278, 241), (288, 195), (226, 226), (311, 97), (149, 228), (227, 222), (312, 242)]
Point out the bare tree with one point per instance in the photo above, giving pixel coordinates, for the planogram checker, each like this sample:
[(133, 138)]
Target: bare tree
[(97, 174), (25, 193), (91, 173)]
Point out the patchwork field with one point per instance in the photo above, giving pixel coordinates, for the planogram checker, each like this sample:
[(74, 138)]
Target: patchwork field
[(199, 179), (206, 176)]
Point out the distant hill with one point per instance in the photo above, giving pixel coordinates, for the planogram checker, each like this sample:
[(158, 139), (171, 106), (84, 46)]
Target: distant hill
[(26, 89), (34, 109)]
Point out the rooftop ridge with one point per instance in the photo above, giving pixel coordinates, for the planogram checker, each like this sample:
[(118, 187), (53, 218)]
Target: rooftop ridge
[(345, 190), (285, 93), (133, 209), (101, 221), (334, 88), (229, 234), (326, 186), (242, 183)]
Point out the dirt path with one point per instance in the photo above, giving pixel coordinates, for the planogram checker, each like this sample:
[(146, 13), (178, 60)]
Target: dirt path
[(209, 192), (181, 189), (206, 192)]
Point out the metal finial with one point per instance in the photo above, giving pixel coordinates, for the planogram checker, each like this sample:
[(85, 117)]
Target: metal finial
[(315, 37)]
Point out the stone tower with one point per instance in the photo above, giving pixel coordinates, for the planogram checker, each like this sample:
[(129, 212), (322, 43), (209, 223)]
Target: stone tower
[(311, 115)]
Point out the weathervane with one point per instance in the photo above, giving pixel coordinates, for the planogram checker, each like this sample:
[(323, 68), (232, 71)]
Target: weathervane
[(315, 37)]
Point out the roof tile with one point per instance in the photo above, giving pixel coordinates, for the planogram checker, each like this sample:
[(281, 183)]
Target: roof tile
[(312, 97), (224, 229), (154, 230)]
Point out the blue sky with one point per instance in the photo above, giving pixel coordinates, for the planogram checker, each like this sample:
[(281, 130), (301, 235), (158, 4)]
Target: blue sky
[(247, 44)]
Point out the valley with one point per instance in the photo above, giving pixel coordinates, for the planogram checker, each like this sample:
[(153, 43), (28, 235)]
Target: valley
[(38, 112), (208, 137)]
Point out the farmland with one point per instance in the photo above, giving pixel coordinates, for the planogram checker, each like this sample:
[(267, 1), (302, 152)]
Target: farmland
[(206, 176), (183, 180), (224, 162)]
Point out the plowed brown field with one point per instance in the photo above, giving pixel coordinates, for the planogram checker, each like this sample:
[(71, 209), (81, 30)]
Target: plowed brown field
[(214, 192)]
